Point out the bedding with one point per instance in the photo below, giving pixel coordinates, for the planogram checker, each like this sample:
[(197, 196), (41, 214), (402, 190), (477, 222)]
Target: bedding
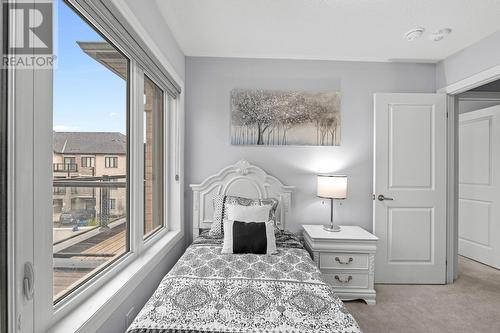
[(221, 203), (207, 291)]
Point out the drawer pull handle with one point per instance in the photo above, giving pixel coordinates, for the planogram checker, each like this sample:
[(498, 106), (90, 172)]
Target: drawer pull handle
[(344, 262), (349, 278)]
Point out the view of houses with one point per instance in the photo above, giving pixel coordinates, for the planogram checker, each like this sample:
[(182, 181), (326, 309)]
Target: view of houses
[(98, 157), (89, 204)]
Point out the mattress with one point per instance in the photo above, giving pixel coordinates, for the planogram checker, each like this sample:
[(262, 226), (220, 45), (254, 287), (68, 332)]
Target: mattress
[(207, 291)]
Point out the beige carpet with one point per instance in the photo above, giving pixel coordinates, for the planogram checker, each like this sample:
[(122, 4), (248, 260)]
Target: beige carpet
[(470, 305)]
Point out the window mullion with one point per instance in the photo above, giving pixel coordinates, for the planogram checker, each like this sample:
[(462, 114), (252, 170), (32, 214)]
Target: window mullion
[(167, 157), (136, 158)]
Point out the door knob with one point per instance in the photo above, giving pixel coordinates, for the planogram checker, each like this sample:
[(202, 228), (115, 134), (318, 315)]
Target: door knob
[(382, 198)]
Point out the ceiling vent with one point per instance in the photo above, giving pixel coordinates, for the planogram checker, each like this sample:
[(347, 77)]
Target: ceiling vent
[(415, 33)]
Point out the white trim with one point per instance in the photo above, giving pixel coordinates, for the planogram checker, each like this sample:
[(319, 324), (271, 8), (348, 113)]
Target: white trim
[(453, 90), (177, 164), (21, 186), (473, 81), (451, 173), (136, 160)]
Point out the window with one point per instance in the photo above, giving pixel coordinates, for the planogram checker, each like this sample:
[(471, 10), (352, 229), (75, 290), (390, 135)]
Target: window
[(153, 157), (111, 162), (57, 204), (90, 105), (58, 190), (92, 78), (87, 162), (70, 164)]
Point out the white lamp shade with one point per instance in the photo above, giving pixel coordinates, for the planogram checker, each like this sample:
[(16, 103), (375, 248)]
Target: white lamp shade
[(332, 186)]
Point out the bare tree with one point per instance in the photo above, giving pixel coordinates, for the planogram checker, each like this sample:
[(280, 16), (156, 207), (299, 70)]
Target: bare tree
[(265, 117)]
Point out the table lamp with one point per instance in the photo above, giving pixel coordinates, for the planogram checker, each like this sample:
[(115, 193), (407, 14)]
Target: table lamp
[(332, 187)]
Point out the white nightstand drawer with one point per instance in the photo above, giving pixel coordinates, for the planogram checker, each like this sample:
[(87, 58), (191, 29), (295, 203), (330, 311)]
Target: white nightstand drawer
[(343, 260), (347, 280), (346, 260)]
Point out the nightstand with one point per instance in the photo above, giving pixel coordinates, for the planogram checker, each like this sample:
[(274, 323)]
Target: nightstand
[(346, 259)]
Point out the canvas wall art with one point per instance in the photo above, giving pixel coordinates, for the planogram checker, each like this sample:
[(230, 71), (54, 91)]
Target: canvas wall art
[(274, 118)]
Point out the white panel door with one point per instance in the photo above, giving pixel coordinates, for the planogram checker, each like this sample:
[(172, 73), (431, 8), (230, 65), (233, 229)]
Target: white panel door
[(479, 186), (410, 188)]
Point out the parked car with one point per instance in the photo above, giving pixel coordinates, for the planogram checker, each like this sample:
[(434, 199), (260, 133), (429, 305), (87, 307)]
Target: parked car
[(78, 217)]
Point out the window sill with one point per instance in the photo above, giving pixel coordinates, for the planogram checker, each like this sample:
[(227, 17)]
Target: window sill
[(92, 312)]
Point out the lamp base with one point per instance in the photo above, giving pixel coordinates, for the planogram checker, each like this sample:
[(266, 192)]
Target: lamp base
[(331, 228)]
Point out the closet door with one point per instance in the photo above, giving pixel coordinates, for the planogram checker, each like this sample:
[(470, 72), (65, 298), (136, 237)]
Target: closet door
[(479, 186)]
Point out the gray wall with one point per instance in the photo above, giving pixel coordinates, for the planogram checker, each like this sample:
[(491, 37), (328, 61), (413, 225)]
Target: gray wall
[(471, 60), (207, 150), (154, 24)]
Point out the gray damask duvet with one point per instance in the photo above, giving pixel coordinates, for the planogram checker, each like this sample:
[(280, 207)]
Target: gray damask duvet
[(207, 291)]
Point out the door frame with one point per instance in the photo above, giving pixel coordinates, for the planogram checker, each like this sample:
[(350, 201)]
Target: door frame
[(452, 90), (4, 265)]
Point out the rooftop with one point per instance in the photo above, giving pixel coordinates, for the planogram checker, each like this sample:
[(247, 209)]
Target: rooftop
[(90, 143)]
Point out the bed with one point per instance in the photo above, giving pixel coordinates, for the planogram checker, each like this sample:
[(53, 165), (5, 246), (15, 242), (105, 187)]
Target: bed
[(207, 291)]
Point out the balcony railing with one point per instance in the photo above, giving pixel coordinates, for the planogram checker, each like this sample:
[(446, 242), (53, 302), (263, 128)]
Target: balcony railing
[(90, 199), (65, 167)]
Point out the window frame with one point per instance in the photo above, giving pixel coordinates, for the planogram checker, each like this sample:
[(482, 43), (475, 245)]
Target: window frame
[(90, 277), (105, 289), (164, 163), (169, 231), (72, 158), (87, 159), (4, 191), (108, 164)]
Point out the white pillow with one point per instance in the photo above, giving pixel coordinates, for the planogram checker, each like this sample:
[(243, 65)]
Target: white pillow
[(227, 246), (248, 213)]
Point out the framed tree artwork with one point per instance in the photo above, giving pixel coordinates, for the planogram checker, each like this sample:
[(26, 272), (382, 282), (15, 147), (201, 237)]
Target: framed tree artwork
[(275, 118)]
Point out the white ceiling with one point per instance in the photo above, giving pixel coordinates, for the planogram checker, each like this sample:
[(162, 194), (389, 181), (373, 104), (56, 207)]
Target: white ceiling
[(370, 30)]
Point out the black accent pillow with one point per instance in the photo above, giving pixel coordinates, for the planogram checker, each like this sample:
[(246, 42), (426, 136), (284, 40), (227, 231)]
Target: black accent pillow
[(249, 237)]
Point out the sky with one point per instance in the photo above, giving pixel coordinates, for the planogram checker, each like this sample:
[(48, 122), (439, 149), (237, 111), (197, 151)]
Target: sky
[(88, 97)]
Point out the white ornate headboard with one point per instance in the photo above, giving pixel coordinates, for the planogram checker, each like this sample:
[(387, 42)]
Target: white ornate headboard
[(244, 180)]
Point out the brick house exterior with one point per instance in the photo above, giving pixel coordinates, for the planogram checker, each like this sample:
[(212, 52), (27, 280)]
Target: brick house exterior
[(89, 155)]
